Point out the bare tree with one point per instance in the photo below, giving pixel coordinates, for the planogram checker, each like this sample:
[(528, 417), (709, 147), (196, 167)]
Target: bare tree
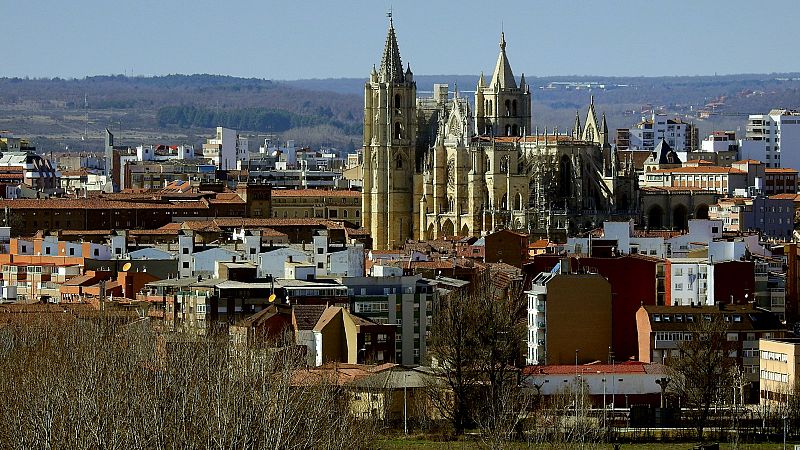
[(563, 420), (703, 370), (477, 343), (89, 384)]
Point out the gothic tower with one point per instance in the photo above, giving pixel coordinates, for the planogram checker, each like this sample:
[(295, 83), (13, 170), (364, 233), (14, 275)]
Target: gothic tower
[(502, 108), (390, 134)]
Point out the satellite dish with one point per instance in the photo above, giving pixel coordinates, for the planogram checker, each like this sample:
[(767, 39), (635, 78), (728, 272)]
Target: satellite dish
[(126, 267), (272, 298)]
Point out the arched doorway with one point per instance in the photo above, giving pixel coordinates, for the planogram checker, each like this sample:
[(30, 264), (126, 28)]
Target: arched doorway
[(655, 217), (429, 233), (701, 212), (679, 217), (448, 229), (465, 231)]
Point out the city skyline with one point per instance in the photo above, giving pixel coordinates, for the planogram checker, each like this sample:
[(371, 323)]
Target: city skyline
[(344, 39)]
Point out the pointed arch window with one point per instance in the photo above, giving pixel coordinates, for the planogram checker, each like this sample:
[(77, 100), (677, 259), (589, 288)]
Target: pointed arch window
[(514, 130), (508, 108), (398, 163), (397, 101), (508, 130), (514, 108), (398, 130)]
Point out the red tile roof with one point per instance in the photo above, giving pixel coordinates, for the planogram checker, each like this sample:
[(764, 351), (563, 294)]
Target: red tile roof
[(794, 197), (95, 203), (701, 169), (630, 367)]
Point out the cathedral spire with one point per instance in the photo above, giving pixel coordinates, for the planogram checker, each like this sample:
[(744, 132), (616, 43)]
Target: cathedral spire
[(481, 81), (391, 65), (577, 130), (503, 77), (604, 125)]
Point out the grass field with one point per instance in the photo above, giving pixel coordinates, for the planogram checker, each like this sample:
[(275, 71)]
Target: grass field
[(418, 444)]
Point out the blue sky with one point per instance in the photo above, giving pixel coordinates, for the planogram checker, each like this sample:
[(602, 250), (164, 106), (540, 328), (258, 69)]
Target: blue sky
[(343, 38)]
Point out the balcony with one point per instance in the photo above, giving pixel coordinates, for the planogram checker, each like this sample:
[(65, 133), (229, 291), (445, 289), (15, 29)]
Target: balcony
[(664, 344)]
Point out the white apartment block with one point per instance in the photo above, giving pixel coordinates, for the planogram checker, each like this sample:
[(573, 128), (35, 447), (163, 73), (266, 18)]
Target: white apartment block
[(226, 149), (691, 282), (773, 138), (646, 134)]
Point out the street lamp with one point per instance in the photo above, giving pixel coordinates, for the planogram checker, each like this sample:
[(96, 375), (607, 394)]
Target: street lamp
[(577, 387), (604, 403), (663, 382), (405, 402), (784, 431)]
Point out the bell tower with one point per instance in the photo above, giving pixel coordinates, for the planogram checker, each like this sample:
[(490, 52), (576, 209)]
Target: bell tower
[(503, 108), (390, 134)]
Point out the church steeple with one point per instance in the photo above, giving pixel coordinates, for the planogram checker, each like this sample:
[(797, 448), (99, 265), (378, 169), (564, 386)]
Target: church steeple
[(391, 65), (390, 137), (503, 108), (503, 77), (604, 125), (576, 131)]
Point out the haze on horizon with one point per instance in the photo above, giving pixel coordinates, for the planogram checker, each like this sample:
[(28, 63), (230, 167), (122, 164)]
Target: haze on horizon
[(323, 39)]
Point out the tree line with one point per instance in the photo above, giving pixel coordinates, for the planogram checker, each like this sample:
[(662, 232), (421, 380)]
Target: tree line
[(248, 119), (95, 384)]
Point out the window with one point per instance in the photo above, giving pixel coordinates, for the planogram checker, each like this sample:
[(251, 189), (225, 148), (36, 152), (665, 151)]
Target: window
[(185, 251), (678, 286), (320, 265), (186, 264), (96, 252)]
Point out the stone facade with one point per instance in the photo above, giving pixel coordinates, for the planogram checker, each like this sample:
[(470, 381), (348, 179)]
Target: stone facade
[(438, 167)]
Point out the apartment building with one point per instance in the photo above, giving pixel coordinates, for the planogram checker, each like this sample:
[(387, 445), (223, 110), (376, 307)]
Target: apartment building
[(779, 367), (773, 138), (569, 317), (227, 149), (404, 301), (662, 329), (645, 135)]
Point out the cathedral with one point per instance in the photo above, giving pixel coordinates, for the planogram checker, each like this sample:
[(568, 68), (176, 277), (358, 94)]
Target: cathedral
[(442, 166)]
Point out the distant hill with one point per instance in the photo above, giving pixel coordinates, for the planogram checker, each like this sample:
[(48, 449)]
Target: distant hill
[(185, 108)]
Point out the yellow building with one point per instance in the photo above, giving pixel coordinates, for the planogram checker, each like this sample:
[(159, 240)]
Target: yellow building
[(317, 204), (779, 361)]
